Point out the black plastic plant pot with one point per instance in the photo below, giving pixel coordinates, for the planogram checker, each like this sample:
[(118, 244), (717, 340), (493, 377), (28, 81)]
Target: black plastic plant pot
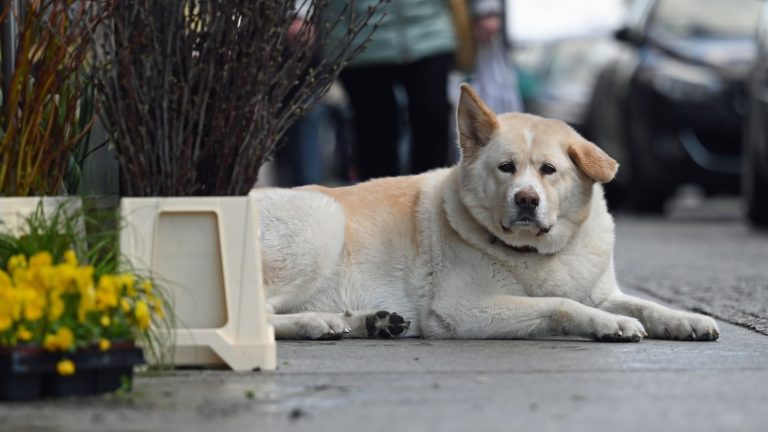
[(29, 372)]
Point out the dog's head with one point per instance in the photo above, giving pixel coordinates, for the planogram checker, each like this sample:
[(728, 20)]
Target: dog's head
[(526, 179)]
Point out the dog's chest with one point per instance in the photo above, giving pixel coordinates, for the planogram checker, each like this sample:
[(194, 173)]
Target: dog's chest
[(539, 276)]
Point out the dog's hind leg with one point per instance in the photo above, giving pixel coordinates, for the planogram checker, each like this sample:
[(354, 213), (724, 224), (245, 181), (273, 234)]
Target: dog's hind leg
[(309, 325), (324, 326)]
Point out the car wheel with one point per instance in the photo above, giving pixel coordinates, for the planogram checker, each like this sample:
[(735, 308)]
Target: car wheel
[(647, 198), (647, 188), (755, 192)]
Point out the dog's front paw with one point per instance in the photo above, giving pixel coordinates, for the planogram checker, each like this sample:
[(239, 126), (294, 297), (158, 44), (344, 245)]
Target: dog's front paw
[(619, 329), (683, 326), (385, 325)]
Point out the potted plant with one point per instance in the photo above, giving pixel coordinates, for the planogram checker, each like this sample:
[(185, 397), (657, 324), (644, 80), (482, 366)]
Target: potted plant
[(47, 108), (196, 95), (68, 328)]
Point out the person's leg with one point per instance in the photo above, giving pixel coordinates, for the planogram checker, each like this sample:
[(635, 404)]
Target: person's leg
[(426, 82), (374, 112), (286, 155), (300, 159), (309, 162)]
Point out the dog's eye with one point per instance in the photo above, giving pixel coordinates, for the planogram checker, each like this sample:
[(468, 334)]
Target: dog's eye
[(547, 169), (508, 167)]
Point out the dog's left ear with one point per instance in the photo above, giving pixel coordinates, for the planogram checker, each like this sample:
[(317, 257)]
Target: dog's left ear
[(592, 161), (475, 120)]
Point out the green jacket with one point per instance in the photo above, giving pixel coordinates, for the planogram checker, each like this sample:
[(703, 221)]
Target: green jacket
[(409, 30)]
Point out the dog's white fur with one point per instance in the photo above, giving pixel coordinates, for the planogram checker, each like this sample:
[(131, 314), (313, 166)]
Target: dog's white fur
[(451, 251)]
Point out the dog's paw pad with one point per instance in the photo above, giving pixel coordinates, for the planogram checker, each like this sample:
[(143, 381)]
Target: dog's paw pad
[(386, 325)]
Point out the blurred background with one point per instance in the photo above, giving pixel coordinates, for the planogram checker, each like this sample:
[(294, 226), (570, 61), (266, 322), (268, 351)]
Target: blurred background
[(675, 90)]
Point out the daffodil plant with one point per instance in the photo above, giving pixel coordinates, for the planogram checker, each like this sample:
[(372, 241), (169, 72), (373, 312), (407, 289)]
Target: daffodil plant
[(63, 307)]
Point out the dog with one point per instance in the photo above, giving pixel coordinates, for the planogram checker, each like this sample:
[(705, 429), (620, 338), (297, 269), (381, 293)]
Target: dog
[(513, 242)]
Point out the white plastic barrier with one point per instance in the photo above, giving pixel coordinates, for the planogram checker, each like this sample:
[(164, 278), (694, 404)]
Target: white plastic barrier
[(205, 251)]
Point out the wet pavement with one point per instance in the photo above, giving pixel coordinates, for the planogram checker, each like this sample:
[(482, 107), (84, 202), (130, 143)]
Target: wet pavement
[(420, 385)]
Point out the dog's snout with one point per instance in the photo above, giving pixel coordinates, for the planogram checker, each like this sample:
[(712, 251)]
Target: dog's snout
[(527, 198)]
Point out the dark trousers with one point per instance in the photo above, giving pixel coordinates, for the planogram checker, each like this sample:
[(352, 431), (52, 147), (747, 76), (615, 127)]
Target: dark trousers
[(375, 112)]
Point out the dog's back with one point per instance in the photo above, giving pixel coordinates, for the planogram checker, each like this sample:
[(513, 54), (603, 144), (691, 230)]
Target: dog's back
[(334, 249)]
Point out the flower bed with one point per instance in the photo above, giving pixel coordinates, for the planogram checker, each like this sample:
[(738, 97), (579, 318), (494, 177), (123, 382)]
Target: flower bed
[(65, 332)]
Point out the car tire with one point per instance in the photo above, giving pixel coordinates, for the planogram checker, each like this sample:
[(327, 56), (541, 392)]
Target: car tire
[(646, 198), (755, 190), (647, 189)]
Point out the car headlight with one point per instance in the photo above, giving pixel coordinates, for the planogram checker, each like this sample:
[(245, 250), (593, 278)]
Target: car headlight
[(685, 82)]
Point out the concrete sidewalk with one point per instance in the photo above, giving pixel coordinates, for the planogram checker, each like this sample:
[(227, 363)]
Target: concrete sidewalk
[(719, 267), (422, 385), (471, 386)]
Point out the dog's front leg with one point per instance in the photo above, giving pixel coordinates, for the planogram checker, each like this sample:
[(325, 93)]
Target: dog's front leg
[(663, 322), (512, 317)]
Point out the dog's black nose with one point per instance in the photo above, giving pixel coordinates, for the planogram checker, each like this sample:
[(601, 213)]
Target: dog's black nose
[(527, 199)]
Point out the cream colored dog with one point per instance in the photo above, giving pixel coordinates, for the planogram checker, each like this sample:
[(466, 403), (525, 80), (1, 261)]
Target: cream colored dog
[(513, 242)]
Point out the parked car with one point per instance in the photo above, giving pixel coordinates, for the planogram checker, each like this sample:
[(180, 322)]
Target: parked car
[(671, 106), (563, 74), (755, 176)]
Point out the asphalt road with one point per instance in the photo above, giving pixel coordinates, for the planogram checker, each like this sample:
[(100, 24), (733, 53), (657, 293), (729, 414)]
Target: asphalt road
[(701, 257)]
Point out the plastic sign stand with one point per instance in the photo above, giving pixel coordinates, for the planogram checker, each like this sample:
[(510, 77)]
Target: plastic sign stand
[(205, 252)]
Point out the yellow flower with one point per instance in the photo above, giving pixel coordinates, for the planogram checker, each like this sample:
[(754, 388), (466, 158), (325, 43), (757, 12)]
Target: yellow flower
[(70, 257), (62, 340), (50, 342), (23, 334), (105, 321), (9, 308), (125, 281), (33, 302), (5, 280), (64, 277), (41, 259), (125, 304), (17, 262), (5, 321), (106, 292), (66, 338), (56, 309), (104, 344), (65, 367), (87, 302), (142, 314), (146, 285), (85, 278), (157, 305)]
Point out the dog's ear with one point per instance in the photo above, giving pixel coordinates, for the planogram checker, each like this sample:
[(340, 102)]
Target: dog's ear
[(592, 160), (475, 120)]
